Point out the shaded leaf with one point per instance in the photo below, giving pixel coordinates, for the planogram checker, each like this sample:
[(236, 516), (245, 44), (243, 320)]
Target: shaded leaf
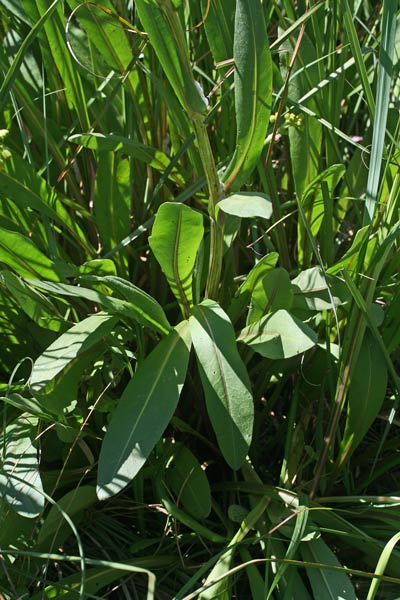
[(325, 583), (273, 292), (366, 393), (74, 342), (189, 483), (143, 412), (20, 483), (111, 142), (225, 381)]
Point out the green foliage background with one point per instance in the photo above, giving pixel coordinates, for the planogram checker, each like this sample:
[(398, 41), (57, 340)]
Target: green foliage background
[(199, 305)]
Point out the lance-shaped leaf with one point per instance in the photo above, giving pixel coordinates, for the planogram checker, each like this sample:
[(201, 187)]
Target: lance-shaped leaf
[(74, 342), (20, 483), (253, 88), (278, 335), (162, 24), (144, 411), (175, 240), (225, 381), (366, 393)]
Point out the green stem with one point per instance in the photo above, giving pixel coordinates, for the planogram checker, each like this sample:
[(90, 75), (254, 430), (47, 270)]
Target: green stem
[(216, 221)]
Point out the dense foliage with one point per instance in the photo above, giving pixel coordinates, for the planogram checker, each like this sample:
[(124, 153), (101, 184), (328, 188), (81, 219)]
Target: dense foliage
[(199, 306)]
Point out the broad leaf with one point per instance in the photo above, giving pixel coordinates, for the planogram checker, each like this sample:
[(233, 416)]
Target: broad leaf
[(247, 205), (143, 412), (189, 483), (225, 381), (74, 342), (311, 290), (242, 297), (366, 393), (278, 335), (20, 483), (175, 239), (326, 583), (253, 87), (273, 292)]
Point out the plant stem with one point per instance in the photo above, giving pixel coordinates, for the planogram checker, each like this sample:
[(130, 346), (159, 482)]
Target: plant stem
[(216, 221)]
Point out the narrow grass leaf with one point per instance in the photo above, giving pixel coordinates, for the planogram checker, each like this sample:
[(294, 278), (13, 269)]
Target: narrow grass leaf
[(116, 143), (225, 381), (161, 21), (386, 53), (138, 306), (219, 27), (382, 564), (13, 71), (175, 240), (143, 412), (253, 88)]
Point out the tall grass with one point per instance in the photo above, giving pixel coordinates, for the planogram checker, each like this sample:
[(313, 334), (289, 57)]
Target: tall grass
[(199, 307)]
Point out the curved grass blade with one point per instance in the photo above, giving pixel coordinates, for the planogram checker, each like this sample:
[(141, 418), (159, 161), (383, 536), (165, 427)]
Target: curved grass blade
[(386, 54), (28, 41)]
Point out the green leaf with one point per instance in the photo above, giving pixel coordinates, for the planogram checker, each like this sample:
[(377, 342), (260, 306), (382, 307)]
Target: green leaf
[(163, 26), (326, 583), (35, 305), (278, 335), (189, 483), (20, 483), (62, 59), (311, 290), (114, 143), (16, 65), (247, 205), (219, 27), (242, 296), (143, 412), (386, 57), (20, 183), (366, 393), (253, 88), (74, 342), (312, 202), (273, 292), (141, 307), (225, 381), (55, 529), (20, 254), (175, 239)]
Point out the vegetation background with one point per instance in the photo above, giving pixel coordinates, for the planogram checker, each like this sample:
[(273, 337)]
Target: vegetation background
[(199, 299)]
